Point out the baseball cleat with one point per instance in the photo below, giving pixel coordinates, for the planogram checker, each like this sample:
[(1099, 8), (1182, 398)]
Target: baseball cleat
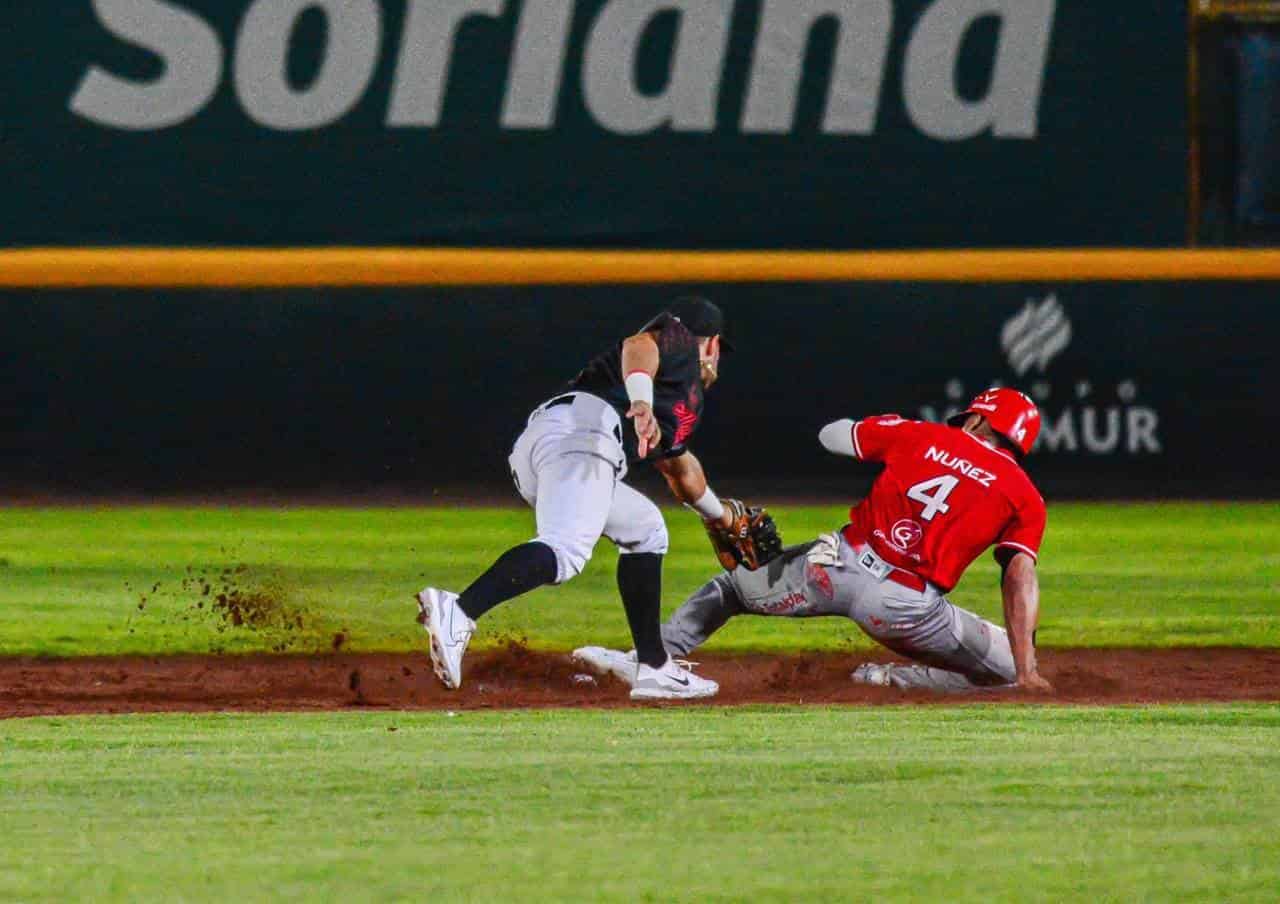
[(604, 661), (875, 673), (670, 682), (450, 630)]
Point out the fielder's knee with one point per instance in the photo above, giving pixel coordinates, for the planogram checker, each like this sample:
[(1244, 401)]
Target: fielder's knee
[(571, 558), (654, 540)]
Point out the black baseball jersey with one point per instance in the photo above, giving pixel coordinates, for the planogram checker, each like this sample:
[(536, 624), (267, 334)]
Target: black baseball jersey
[(677, 387)]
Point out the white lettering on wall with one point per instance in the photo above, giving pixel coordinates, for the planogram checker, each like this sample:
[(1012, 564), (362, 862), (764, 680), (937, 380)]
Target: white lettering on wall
[(1011, 105), (347, 64), (1143, 423), (688, 101), (426, 50), (1059, 436), (853, 96), (185, 44), (540, 55), (537, 65), (1095, 441)]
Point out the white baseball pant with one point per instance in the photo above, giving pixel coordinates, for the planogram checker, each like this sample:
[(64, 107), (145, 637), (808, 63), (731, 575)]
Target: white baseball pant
[(568, 464)]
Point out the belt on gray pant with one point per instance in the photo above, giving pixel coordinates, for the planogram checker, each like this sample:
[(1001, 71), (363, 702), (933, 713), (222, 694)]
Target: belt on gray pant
[(877, 567)]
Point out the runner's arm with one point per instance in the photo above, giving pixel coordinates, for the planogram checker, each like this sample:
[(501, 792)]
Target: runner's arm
[(837, 438), (1020, 589)]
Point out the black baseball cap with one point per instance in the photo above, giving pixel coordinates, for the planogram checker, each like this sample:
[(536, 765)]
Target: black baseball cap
[(701, 317)]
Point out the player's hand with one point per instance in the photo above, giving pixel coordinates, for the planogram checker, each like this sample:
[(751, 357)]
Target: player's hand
[(1034, 682), (648, 432)]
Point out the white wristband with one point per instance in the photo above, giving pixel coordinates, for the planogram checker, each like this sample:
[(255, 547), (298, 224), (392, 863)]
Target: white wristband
[(639, 387), (708, 506)]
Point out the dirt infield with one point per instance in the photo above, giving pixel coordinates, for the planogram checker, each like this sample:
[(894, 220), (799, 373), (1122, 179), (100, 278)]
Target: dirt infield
[(515, 677)]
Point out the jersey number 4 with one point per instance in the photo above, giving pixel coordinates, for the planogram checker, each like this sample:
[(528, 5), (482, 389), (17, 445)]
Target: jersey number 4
[(933, 494)]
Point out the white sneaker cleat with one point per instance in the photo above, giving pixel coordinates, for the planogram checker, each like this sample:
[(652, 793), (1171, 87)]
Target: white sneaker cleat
[(450, 630), (876, 673), (604, 661), (670, 682)]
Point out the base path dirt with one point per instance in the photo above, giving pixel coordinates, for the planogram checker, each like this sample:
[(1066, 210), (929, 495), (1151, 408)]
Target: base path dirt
[(515, 677)]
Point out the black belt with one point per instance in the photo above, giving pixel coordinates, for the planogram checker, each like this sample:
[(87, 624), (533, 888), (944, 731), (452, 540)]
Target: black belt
[(568, 400)]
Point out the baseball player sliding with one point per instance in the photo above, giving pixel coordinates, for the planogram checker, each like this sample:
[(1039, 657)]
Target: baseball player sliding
[(569, 463), (947, 492)]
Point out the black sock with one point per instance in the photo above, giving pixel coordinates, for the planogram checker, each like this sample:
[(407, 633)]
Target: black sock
[(518, 570), (640, 585)]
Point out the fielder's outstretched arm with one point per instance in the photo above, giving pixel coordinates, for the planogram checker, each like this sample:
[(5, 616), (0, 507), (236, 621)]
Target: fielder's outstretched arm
[(688, 483), (1021, 591)]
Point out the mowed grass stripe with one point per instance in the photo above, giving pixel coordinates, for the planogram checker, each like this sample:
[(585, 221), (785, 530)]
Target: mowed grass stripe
[(71, 580), (966, 804)]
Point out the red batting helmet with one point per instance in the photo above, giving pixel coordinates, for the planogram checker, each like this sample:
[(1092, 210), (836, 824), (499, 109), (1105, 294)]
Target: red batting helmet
[(1009, 412)]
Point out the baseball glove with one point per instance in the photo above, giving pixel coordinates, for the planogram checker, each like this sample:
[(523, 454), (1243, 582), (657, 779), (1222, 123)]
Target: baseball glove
[(751, 539)]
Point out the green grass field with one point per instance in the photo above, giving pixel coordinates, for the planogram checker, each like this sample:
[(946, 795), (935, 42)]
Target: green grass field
[(71, 580), (964, 804), (1013, 802)]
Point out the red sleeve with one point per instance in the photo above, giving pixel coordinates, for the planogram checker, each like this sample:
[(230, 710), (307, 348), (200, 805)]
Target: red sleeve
[(874, 436), (1025, 530)]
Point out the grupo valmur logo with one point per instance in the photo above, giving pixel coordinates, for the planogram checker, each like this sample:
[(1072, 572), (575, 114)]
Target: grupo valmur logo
[(1079, 415), (1035, 335)]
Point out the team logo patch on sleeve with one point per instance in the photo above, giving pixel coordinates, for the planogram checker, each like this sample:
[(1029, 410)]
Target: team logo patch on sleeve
[(685, 421)]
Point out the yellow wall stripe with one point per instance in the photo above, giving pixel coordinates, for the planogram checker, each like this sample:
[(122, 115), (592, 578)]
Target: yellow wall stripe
[(320, 267)]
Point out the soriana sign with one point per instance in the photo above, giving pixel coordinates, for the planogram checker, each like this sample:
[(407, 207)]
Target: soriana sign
[(662, 123)]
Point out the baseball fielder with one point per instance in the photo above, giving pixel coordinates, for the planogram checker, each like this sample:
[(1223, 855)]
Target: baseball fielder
[(947, 492), (568, 464)]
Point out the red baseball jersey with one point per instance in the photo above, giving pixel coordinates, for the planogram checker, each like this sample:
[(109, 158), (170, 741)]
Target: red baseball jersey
[(943, 498)]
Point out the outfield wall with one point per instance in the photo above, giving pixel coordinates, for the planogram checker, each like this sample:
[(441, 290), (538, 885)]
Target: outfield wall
[(1149, 388), (601, 123)]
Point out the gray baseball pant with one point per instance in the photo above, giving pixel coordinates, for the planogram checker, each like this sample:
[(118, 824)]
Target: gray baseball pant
[(955, 650)]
